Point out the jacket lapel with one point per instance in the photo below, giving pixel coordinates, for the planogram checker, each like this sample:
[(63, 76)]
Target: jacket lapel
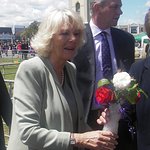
[(59, 90), (71, 74)]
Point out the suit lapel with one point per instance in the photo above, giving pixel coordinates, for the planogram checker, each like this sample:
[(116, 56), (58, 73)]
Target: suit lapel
[(115, 45), (118, 48), (89, 44)]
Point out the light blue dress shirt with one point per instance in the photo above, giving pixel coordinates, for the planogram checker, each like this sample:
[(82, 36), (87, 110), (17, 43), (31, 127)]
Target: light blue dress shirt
[(98, 53)]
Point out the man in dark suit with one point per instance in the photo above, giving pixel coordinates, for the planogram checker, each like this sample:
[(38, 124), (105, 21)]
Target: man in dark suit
[(5, 110), (105, 14), (140, 70)]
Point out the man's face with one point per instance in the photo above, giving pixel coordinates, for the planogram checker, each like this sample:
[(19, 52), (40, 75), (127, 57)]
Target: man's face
[(109, 13)]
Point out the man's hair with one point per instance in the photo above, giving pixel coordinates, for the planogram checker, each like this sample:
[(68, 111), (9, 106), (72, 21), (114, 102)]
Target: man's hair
[(101, 2), (147, 23), (98, 1)]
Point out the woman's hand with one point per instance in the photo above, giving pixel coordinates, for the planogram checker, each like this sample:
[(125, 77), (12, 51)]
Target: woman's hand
[(96, 140)]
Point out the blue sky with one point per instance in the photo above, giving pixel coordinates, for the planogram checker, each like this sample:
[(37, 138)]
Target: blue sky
[(134, 11)]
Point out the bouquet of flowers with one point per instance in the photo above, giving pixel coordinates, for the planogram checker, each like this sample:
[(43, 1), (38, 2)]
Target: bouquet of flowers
[(114, 93)]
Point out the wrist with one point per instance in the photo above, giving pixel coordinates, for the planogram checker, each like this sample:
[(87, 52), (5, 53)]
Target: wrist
[(72, 139), (76, 140)]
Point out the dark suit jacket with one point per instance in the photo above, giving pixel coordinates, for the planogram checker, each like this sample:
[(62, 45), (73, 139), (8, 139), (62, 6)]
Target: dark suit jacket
[(123, 43), (141, 72), (5, 110)]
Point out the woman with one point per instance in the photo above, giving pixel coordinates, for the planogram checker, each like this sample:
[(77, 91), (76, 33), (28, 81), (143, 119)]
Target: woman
[(47, 113)]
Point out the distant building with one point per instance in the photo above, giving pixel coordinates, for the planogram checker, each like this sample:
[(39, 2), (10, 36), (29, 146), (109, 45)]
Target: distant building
[(17, 31), (18, 28), (6, 34), (132, 28), (9, 34), (82, 7)]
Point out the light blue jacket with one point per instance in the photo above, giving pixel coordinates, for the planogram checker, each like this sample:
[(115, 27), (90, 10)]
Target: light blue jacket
[(41, 115)]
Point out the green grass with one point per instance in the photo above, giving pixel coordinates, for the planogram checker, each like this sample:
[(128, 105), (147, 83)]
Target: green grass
[(6, 132), (9, 71)]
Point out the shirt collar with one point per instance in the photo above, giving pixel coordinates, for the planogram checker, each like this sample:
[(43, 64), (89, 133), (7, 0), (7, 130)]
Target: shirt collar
[(96, 30)]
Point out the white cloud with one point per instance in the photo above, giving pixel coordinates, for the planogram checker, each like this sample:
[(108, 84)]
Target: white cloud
[(147, 4), (23, 12)]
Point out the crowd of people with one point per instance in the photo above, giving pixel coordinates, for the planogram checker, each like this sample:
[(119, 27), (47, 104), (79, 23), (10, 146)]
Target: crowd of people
[(17, 47), (5, 46), (54, 103)]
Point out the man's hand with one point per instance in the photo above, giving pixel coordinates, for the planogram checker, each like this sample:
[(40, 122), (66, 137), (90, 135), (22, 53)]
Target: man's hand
[(104, 117)]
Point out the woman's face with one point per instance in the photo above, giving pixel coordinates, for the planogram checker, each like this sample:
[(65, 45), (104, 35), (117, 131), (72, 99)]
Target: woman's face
[(65, 43)]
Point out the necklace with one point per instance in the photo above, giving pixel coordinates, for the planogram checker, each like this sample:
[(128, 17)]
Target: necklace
[(62, 78)]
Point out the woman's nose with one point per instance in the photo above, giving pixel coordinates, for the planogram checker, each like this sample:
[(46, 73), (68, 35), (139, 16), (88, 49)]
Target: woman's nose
[(72, 37)]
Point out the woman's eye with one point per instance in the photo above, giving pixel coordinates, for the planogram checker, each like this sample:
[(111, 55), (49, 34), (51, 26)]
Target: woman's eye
[(64, 33), (70, 33), (76, 33)]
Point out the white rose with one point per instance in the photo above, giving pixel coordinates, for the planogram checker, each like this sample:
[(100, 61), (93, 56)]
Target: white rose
[(121, 80)]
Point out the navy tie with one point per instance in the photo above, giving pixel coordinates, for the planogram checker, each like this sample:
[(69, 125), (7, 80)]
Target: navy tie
[(106, 57)]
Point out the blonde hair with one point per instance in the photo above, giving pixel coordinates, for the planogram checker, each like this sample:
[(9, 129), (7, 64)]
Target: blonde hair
[(55, 18)]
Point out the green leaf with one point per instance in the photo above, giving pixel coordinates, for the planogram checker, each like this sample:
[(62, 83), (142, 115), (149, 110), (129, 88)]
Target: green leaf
[(142, 92), (103, 82), (132, 95)]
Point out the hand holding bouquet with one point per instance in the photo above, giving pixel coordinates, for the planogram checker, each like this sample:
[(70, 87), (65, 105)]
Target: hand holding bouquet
[(114, 93)]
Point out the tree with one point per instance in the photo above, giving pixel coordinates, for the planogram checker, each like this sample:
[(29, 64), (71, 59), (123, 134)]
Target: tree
[(30, 31)]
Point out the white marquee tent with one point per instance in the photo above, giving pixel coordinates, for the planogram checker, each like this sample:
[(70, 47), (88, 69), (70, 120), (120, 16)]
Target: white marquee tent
[(144, 39)]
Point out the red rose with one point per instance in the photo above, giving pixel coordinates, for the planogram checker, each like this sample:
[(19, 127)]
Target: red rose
[(104, 95)]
